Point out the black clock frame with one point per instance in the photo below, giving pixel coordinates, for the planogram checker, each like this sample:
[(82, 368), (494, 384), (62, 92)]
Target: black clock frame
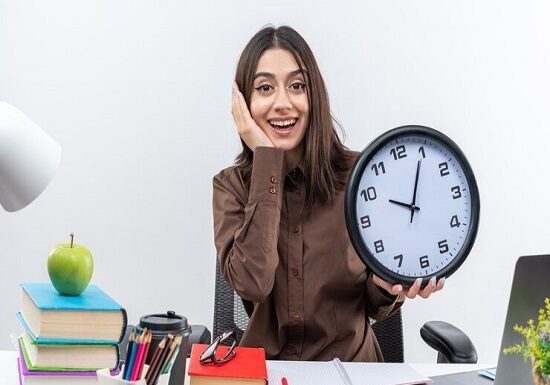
[(352, 190)]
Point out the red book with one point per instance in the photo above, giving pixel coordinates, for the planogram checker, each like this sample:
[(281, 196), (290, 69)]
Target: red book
[(248, 367)]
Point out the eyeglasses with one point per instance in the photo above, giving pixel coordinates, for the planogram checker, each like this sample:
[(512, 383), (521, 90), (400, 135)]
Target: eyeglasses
[(209, 355)]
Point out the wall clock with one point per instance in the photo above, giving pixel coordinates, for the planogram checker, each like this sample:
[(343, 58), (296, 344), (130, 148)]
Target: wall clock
[(412, 205)]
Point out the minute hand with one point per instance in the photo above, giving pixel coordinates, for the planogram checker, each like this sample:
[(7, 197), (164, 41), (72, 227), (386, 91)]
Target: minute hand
[(413, 204)]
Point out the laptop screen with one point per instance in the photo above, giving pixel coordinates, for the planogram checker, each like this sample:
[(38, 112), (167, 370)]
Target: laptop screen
[(531, 285)]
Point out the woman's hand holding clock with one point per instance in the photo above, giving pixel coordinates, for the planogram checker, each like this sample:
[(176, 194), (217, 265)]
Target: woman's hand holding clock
[(412, 291), (247, 128)]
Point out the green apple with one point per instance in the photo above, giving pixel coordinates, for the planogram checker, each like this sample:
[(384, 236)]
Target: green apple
[(70, 267)]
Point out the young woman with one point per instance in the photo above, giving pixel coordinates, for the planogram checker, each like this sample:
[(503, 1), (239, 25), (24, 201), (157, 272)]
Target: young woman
[(279, 226)]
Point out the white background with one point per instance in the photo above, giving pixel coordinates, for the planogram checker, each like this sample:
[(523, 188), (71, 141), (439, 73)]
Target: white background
[(138, 95)]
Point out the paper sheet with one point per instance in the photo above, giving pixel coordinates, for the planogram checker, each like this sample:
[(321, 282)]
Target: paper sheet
[(303, 373), (360, 373)]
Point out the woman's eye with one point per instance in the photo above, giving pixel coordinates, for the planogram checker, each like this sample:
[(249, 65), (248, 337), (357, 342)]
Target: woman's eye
[(264, 88), (298, 86)]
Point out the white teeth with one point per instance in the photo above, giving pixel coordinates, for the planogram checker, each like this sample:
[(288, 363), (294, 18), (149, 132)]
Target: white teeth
[(282, 123)]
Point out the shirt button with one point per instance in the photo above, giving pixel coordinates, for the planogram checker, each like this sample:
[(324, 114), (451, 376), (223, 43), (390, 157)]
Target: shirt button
[(295, 272), (272, 190), (296, 229), (274, 179), (297, 317)]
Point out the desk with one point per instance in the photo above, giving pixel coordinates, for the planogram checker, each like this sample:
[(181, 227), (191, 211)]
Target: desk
[(8, 368)]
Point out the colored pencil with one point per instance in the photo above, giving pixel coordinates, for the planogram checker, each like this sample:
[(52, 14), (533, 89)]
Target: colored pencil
[(160, 363), (128, 353), (132, 360), (139, 356), (154, 361), (145, 352), (174, 348)]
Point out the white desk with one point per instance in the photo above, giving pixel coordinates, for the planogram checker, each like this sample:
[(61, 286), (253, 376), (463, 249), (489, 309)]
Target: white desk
[(8, 368)]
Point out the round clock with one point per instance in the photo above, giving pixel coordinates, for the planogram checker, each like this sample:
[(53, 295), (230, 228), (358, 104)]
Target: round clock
[(412, 205)]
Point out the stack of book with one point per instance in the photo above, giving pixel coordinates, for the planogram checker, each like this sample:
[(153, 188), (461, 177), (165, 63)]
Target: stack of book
[(68, 338)]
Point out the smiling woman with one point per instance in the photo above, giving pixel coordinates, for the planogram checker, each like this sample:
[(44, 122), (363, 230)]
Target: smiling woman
[(279, 222)]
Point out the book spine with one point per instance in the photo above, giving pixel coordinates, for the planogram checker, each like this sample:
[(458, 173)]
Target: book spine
[(117, 362), (124, 325)]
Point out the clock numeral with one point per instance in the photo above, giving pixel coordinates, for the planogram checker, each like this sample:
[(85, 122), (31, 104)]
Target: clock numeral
[(369, 194), (443, 169), (421, 151), (379, 246), (400, 258), (365, 221), (456, 192), (378, 168), (399, 152), (454, 221), (424, 261), (443, 247)]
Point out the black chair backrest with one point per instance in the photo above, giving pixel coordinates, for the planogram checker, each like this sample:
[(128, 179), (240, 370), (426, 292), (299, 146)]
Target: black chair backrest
[(230, 314), (389, 334)]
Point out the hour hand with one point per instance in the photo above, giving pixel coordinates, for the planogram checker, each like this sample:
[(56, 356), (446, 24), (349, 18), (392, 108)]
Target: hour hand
[(407, 205)]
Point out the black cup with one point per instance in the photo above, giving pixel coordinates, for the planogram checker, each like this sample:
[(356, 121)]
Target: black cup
[(161, 325)]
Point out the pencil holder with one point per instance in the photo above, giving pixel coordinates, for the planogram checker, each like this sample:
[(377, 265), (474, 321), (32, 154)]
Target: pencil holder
[(104, 378)]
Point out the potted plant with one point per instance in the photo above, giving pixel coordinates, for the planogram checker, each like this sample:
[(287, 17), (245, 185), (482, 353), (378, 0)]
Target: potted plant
[(536, 344)]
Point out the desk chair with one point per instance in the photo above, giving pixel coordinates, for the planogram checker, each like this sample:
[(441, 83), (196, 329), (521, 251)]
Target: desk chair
[(450, 342)]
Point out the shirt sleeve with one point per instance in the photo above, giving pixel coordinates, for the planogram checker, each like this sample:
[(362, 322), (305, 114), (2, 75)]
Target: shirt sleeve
[(381, 304), (246, 224)]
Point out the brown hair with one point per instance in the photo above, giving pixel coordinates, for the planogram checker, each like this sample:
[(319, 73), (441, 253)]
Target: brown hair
[(323, 149)]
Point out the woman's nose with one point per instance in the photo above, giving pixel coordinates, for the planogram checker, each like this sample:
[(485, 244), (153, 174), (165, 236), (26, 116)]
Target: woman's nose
[(282, 101)]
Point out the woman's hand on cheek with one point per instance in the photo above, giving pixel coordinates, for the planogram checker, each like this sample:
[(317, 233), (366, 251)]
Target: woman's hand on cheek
[(412, 291), (247, 128)]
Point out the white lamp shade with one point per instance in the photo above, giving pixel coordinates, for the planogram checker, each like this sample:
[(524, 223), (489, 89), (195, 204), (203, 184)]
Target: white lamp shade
[(28, 159)]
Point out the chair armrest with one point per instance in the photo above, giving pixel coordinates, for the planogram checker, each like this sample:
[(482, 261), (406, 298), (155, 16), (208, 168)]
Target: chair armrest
[(451, 343)]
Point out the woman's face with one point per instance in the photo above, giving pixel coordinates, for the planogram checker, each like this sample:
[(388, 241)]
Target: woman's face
[(279, 103)]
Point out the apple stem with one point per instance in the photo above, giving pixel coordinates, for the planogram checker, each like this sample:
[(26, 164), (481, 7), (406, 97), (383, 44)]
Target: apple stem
[(72, 239)]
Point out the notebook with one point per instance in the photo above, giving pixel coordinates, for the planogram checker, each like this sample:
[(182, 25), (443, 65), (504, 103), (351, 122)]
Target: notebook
[(530, 287)]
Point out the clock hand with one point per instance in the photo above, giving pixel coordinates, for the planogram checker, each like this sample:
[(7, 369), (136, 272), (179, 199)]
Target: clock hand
[(407, 205), (413, 204)]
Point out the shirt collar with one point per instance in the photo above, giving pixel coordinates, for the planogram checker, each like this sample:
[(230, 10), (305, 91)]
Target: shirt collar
[(294, 178)]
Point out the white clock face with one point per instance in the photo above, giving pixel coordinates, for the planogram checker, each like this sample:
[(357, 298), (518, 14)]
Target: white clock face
[(413, 206)]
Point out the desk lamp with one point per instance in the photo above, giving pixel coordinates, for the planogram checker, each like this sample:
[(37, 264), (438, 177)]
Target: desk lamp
[(28, 159)]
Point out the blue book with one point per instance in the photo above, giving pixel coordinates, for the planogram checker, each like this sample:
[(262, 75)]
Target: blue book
[(90, 318)]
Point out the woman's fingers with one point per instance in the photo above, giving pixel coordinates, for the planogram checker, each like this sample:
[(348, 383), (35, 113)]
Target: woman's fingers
[(432, 287), (236, 110), (414, 290), (392, 289), (248, 124)]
